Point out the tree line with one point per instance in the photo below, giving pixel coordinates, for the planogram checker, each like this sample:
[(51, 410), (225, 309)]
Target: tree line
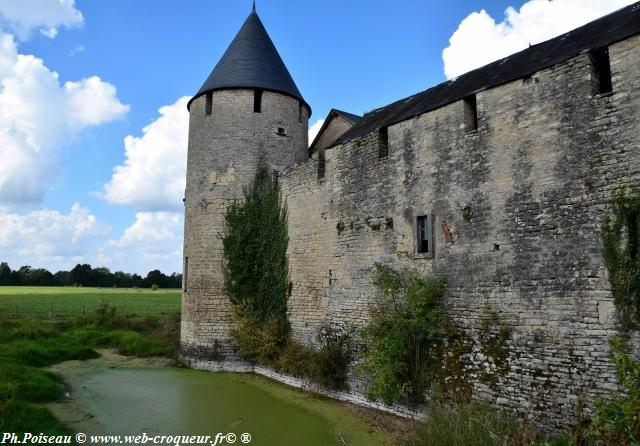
[(86, 276)]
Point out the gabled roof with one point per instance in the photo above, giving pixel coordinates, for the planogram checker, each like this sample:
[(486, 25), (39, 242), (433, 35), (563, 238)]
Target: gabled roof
[(605, 31), (251, 61), (353, 119), (348, 116)]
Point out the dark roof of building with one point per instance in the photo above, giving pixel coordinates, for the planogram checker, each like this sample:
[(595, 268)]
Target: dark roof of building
[(605, 31), (251, 61), (348, 116), (354, 119)]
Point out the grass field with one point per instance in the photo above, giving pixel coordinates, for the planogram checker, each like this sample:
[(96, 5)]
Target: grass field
[(70, 301)]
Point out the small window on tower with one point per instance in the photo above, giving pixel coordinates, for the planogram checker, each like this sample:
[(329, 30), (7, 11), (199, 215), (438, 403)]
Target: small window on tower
[(207, 105), (470, 114), (257, 101), (601, 70), (425, 237), (383, 142)]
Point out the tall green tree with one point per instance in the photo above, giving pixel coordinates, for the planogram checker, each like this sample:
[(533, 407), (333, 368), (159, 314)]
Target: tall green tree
[(255, 251), (5, 274)]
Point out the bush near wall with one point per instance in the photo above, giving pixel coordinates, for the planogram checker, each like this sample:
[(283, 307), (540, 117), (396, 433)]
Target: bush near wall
[(621, 250), (400, 339), (256, 281)]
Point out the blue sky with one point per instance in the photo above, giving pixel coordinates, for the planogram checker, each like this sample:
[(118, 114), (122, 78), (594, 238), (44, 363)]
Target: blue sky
[(118, 62)]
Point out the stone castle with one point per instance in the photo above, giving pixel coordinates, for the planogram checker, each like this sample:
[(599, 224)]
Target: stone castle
[(499, 180)]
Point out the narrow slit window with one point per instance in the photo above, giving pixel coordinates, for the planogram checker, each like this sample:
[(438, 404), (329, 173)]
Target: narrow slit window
[(257, 101), (601, 70), (321, 165), (185, 274), (300, 110), (383, 142), (633, 228), (208, 103), (470, 114), (425, 237), (275, 175)]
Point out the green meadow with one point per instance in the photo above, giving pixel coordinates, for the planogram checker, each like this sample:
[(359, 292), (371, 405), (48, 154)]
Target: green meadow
[(72, 301)]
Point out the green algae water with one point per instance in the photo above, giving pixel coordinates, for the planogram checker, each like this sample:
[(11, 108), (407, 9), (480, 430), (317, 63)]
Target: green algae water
[(171, 401)]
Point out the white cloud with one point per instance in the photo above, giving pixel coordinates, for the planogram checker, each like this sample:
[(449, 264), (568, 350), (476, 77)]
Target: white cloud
[(152, 177), (38, 116), (314, 129), (49, 238), (479, 40), (154, 241), (92, 102), (23, 16)]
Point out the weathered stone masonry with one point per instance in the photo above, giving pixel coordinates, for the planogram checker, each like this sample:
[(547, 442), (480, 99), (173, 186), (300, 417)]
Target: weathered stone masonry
[(517, 209), (523, 197)]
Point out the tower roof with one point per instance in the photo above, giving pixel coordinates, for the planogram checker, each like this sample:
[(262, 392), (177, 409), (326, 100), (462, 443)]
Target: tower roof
[(251, 61)]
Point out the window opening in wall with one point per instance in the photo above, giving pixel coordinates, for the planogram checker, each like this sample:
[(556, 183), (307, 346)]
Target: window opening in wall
[(207, 105), (257, 101), (321, 165), (470, 113), (425, 237), (633, 228), (281, 131), (601, 70), (274, 177), (383, 142), (185, 273), (299, 111)]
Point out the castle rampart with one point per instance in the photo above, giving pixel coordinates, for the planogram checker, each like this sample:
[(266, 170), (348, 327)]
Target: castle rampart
[(517, 208), (501, 184)]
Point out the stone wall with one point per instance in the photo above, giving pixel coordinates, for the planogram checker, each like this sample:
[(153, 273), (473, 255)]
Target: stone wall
[(517, 208)]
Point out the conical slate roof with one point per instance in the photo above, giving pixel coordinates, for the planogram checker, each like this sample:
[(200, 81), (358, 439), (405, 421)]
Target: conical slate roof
[(251, 61)]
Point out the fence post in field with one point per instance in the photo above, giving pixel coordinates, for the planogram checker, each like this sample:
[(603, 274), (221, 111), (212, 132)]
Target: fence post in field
[(83, 310), (50, 310)]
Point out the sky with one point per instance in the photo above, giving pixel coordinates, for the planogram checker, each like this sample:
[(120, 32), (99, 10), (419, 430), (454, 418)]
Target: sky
[(93, 119)]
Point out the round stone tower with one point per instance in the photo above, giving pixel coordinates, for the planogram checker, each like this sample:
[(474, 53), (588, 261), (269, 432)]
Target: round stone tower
[(248, 114)]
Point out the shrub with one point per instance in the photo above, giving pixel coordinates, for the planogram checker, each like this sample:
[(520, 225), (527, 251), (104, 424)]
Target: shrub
[(255, 250), (295, 359), (617, 421), (260, 342), (401, 335), (327, 366), (256, 281), (330, 364), (621, 240)]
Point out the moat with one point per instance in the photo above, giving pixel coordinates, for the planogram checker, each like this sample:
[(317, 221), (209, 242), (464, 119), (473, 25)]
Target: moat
[(115, 396)]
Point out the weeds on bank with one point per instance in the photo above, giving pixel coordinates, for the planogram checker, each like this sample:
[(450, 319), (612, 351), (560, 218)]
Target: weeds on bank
[(470, 423), (28, 345), (270, 344)]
